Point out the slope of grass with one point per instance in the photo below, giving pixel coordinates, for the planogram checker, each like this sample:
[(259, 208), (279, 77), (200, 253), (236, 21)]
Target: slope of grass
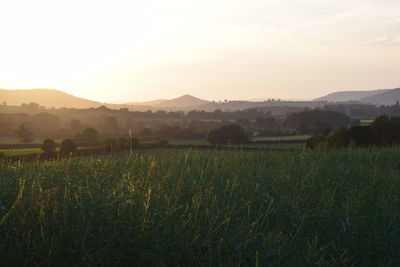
[(216, 208)]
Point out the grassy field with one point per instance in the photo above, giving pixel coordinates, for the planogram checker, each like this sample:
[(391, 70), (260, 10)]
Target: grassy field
[(22, 151), (15, 140), (276, 146), (188, 142), (366, 122), (196, 208), (254, 139), (280, 138)]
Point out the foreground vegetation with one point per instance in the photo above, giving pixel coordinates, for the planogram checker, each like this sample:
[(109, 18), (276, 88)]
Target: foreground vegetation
[(190, 208)]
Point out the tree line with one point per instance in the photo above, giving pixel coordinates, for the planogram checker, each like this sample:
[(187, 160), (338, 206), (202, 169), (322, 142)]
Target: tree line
[(383, 131), (299, 123)]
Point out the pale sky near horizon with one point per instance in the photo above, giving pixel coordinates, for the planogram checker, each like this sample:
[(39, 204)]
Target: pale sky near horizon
[(121, 51)]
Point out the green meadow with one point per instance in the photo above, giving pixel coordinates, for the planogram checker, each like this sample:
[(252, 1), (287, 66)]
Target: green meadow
[(204, 208), (21, 151)]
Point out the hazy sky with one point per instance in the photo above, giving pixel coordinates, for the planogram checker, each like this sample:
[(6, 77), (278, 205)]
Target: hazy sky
[(215, 49)]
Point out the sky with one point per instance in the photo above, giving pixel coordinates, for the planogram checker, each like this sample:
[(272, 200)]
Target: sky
[(123, 51)]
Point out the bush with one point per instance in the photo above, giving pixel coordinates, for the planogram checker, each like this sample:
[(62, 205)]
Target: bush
[(314, 141), (68, 146), (111, 143), (361, 136), (135, 143), (386, 130), (317, 121), (49, 146), (163, 143), (121, 143), (88, 135), (23, 133), (383, 131), (229, 134)]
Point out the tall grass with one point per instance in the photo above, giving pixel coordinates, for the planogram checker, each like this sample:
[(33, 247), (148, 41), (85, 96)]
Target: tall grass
[(214, 208)]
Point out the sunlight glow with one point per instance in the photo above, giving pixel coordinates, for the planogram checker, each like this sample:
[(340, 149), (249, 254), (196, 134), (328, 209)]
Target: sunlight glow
[(138, 50)]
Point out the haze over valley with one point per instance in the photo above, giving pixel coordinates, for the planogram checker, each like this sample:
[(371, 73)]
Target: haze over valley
[(57, 99), (200, 133)]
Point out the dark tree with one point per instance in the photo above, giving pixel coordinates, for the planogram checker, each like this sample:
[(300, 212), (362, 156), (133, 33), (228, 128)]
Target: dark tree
[(5, 128), (111, 125), (46, 121), (88, 135), (361, 136), (314, 119), (228, 134), (145, 132), (24, 134), (383, 131), (386, 130), (111, 143), (68, 146), (49, 146), (122, 143), (134, 142), (162, 143), (75, 126)]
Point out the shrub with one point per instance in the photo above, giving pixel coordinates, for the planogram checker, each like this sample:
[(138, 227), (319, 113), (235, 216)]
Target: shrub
[(68, 146), (122, 143), (229, 134), (163, 143), (111, 143), (88, 135), (319, 119), (384, 131), (314, 141), (135, 143), (24, 134), (49, 146)]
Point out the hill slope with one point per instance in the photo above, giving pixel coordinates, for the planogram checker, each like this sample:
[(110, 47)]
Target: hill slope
[(349, 95), (45, 97), (182, 102), (388, 97), (147, 103)]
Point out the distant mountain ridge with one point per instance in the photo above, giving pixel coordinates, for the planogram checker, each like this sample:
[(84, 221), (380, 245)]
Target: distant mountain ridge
[(376, 97), (58, 99), (183, 102), (45, 97), (147, 103), (349, 95), (388, 97)]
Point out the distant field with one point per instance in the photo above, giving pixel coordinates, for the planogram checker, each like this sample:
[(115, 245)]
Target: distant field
[(276, 146), (366, 122), (254, 139), (204, 208), (15, 140), (188, 142), (281, 138), (24, 151)]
